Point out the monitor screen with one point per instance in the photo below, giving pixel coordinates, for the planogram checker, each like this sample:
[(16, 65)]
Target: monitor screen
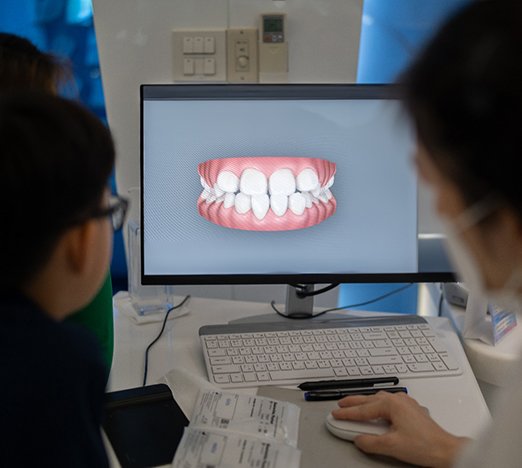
[(278, 184)]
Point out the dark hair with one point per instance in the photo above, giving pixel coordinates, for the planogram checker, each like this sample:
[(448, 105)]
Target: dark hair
[(465, 95), (24, 66), (55, 161)]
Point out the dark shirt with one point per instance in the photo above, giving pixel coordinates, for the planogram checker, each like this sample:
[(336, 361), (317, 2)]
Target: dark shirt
[(51, 391)]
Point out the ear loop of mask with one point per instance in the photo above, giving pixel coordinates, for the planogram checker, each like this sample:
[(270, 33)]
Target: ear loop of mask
[(475, 213)]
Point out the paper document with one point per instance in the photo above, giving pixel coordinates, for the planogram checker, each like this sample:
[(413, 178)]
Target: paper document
[(232, 430), (206, 449), (247, 414)]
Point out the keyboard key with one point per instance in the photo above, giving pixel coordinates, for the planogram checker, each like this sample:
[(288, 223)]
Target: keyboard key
[(375, 336), (383, 352), (302, 374), (449, 361), (249, 377), (384, 360), (437, 345), (222, 378), (236, 378), (227, 369), (420, 367), (217, 352)]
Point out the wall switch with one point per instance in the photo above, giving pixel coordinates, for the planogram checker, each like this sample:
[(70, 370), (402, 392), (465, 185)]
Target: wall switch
[(242, 55), (199, 55)]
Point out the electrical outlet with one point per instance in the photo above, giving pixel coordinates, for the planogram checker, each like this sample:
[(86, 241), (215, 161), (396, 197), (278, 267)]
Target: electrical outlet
[(199, 55), (242, 55)]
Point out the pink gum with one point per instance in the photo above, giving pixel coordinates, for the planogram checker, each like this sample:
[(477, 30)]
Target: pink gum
[(230, 218), (210, 169)]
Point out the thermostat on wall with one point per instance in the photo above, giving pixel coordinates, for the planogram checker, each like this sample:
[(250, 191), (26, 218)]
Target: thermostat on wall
[(273, 48)]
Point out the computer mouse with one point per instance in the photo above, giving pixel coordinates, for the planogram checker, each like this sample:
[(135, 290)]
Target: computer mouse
[(348, 430)]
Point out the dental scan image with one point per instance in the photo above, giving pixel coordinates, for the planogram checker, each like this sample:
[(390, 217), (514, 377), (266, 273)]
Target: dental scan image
[(261, 184), (266, 193)]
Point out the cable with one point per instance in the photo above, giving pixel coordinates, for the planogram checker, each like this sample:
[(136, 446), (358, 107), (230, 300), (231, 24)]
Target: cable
[(371, 301), (159, 336), (441, 299), (302, 293)]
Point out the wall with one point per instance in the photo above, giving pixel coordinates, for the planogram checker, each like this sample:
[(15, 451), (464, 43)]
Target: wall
[(134, 44)]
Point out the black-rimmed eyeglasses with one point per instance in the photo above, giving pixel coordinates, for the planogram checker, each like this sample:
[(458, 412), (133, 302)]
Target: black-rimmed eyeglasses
[(117, 210)]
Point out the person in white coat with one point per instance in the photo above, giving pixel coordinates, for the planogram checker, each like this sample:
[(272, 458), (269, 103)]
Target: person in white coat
[(464, 94)]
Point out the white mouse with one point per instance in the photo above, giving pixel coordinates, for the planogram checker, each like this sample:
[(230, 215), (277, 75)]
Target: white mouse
[(348, 430)]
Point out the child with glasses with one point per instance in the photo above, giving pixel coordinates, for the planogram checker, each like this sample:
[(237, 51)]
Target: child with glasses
[(25, 67), (55, 241)]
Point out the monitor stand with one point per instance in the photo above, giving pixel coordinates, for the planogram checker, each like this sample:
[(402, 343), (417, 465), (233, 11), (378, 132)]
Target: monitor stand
[(297, 308)]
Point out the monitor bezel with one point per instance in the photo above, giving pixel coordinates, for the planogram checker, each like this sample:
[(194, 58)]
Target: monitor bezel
[(267, 92)]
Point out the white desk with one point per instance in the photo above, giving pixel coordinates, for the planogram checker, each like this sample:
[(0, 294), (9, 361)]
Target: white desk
[(456, 403)]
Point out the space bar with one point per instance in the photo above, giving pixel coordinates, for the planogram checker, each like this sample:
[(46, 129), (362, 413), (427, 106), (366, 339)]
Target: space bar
[(304, 374)]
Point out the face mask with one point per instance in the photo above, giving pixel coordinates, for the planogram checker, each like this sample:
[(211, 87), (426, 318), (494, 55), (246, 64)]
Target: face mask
[(467, 267)]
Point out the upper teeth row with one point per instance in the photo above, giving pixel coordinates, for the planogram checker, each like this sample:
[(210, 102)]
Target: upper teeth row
[(254, 182), (280, 192)]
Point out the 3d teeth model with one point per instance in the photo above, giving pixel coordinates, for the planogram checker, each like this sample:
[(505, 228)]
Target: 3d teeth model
[(266, 193)]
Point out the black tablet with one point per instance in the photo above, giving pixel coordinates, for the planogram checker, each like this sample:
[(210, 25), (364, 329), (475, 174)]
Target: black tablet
[(144, 425)]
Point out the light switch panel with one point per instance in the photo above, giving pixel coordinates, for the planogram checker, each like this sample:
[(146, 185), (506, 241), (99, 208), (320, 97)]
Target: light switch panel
[(199, 55), (242, 55)]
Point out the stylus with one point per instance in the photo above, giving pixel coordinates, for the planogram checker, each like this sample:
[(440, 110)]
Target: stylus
[(351, 383), (337, 394)]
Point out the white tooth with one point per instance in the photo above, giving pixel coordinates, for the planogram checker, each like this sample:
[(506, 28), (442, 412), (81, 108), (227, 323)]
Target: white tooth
[(316, 191), (329, 194), (229, 200), (242, 203), (307, 180), (281, 182), (315, 201), (330, 182), (323, 197), (279, 204), (220, 199), (308, 199), (228, 181), (297, 203), (204, 184), (211, 198), (253, 182), (260, 205), (218, 191), (205, 194)]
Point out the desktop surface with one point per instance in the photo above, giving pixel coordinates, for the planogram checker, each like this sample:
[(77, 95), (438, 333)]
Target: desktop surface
[(455, 402)]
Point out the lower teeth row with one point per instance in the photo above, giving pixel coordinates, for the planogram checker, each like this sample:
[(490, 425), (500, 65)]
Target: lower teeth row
[(260, 204)]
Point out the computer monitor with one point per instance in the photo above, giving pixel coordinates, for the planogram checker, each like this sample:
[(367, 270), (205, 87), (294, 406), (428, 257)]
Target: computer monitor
[(280, 184)]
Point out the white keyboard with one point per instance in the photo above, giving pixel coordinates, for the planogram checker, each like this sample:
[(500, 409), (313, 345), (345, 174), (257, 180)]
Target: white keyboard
[(289, 353)]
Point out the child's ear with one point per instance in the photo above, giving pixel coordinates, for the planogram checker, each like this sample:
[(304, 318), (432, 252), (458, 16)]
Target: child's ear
[(79, 244)]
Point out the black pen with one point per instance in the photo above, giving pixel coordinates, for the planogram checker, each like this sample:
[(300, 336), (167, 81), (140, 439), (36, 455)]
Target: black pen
[(349, 383), (338, 394)]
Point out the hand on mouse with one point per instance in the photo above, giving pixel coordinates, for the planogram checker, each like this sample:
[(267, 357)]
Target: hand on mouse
[(413, 437)]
